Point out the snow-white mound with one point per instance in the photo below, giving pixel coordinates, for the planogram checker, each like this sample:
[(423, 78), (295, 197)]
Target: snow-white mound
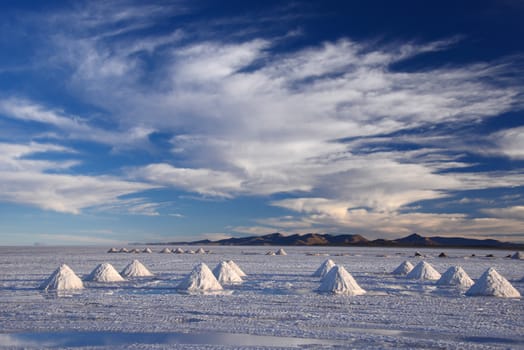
[(518, 255), (179, 251), (136, 269), (226, 274), (237, 268), (113, 250), (104, 273), (200, 251), (136, 251), (165, 251), (147, 250), (123, 250), (63, 278), (270, 253), (339, 281), (190, 251), (200, 279), (324, 268), (455, 276), (403, 269), (491, 283), (423, 271), (280, 252)]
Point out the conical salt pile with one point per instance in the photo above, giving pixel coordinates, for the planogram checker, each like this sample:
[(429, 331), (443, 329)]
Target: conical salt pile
[(200, 251), (190, 251), (339, 281), (324, 268), (136, 269), (113, 250), (236, 268), (270, 253), (226, 274), (518, 255), (200, 279), (63, 278), (123, 250), (493, 284), (165, 251), (147, 250), (179, 251), (104, 273), (281, 252), (403, 269), (456, 276), (423, 271)]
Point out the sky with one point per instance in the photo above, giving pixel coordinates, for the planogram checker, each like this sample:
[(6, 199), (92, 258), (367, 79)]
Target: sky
[(134, 121)]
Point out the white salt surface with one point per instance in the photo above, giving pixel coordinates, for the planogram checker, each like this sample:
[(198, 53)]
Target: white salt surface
[(339, 281), (281, 251), (136, 269), (104, 272), (403, 269), (491, 283), (225, 274), (455, 276), (423, 271), (278, 301), (63, 278), (236, 268), (200, 279), (324, 268)]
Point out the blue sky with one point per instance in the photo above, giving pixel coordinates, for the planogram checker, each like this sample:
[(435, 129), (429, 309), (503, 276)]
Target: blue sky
[(131, 121)]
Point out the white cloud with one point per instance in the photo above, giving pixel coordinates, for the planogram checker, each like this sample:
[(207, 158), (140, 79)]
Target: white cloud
[(203, 181), (510, 142), (247, 120), (72, 126), (515, 212), (28, 181)]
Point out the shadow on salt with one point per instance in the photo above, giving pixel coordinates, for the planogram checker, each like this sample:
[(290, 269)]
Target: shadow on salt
[(81, 339)]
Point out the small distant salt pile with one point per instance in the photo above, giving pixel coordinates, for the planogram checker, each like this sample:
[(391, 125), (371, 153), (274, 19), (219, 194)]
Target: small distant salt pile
[(190, 251), (518, 256), (324, 268), (456, 276), (403, 269), (225, 274), (104, 273), (339, 281), (491, 283), (63, 278), (165, 251), (136, 251), (113, 250), (136, 269), (236, 268), (200, 251), (147, 250), (178, 251), (270, 253), (123, 250), (281, 252), (200, 279), (423, 271)]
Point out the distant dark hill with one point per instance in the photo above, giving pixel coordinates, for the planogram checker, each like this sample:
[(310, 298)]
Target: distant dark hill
[(316, 239)]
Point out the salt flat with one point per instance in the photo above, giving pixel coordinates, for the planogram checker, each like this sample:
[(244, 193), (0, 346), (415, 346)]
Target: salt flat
[(276, 307)]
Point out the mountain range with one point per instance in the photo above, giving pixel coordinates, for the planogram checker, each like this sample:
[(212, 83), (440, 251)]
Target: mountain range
[(316, 239)]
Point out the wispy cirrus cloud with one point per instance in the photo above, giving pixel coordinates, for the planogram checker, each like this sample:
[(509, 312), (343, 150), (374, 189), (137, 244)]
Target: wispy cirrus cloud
[(335, 126), (37, 183)]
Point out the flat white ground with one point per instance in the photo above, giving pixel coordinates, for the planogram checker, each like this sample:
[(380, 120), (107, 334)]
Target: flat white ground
[(276, 307)]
